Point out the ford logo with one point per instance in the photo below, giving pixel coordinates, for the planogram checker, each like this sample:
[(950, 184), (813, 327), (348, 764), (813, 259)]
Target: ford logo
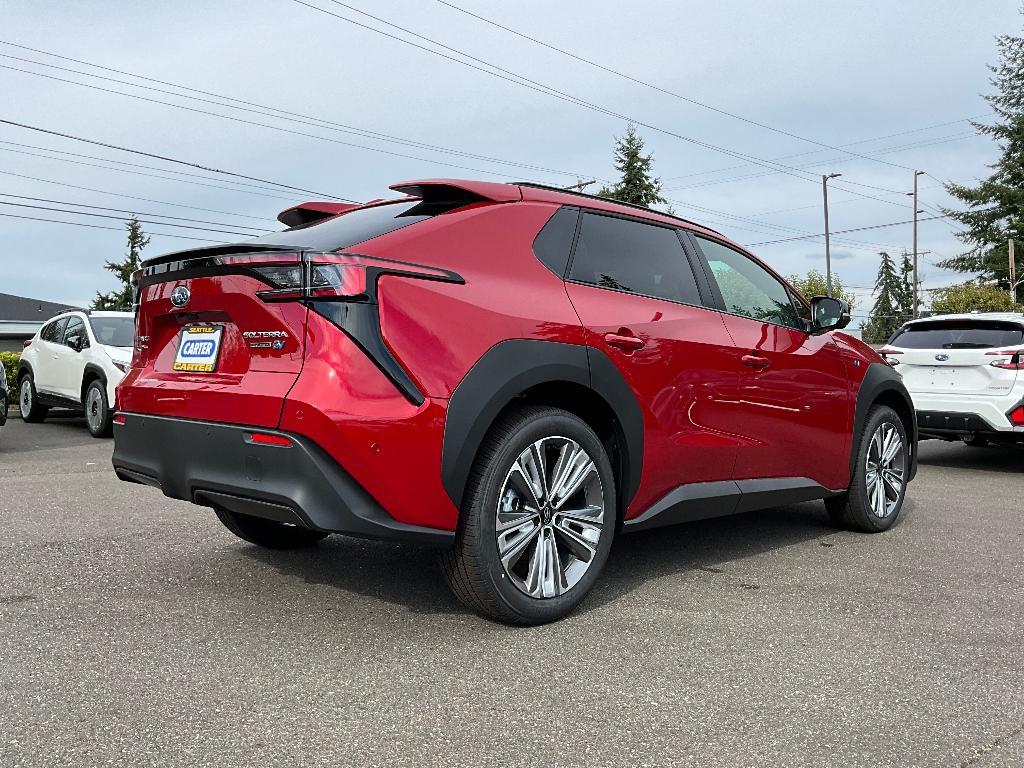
[(942, 358), (180, 296)]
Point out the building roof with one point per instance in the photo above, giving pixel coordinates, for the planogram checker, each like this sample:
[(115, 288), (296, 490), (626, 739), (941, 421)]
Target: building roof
[(23, 309)]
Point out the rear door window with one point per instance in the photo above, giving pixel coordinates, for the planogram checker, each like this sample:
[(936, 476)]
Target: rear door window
[(969, 334), (75, 328), (629, 256), (54, 331)]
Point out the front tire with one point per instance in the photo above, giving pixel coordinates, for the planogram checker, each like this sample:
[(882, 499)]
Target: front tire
[(537, 520), (268, 533), (98, 416), (32, 411), (881, 471)]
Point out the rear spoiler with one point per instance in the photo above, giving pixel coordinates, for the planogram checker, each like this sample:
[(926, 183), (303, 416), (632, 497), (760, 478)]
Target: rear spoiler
[(454, 191), (307, 213)]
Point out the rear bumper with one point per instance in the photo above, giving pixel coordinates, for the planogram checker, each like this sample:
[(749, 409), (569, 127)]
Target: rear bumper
[(217, 465), (952, 423), (944, 413)]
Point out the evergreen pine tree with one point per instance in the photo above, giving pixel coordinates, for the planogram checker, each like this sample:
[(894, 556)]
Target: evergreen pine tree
[(905, 298), (637, 185), (995, 207), (885, 314), (121, 299)]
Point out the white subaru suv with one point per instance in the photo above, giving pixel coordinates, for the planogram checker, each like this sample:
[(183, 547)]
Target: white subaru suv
[(965, 374), (76, 360)]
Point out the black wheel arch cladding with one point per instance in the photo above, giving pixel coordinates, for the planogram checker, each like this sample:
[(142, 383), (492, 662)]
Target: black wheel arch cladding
[(882, 383), (512, 367)]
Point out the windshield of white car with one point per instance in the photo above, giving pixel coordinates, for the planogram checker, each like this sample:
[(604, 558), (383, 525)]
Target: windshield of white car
[(969, 334), (114, 331)]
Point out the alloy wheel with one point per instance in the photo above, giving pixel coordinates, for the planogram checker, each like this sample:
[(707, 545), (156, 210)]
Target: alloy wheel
[(885, 470), (550, 517), (26, 395), (94, 409)]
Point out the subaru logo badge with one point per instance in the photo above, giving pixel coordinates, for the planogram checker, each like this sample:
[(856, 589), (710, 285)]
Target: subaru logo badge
[(942, 358), (180, 296)]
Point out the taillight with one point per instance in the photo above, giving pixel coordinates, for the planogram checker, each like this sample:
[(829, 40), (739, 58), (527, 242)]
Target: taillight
[(340, 277), (890, 355), (1009, 359), (1017, 416)]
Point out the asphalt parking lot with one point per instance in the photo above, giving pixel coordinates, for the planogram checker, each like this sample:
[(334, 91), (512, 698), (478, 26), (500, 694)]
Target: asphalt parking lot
[(135, 630)]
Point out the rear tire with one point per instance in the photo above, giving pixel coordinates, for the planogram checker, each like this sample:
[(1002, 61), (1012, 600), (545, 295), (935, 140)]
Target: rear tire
[(268, 533), (98, 416), (32, 411), (883, 458), (554, 537)]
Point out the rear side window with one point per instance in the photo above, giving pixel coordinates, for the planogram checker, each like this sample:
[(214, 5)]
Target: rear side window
[(969, 334), (352, 227), (54, 331), (626, 255), (554, 242)]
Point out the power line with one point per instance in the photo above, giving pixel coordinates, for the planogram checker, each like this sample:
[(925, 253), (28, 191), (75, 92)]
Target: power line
[(98, 226), (843, 231), (125, 210), (130, 197), (647, 84), (526, 82), (126, 218), (250, 122), (165, 158), (266, 110), (148, 175)]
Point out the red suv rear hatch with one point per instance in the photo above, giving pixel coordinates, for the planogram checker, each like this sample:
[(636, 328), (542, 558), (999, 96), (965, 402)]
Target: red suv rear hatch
[(209, 300)]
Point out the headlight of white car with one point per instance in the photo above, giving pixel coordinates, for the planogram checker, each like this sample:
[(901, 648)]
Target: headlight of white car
[(122, 367)]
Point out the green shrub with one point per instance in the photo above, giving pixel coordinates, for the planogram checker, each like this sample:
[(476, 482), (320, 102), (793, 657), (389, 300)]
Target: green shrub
[(9, 360)]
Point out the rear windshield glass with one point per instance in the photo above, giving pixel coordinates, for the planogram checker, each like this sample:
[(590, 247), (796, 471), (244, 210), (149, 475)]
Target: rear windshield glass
[(115, 331), (352, 227), (971, 334)]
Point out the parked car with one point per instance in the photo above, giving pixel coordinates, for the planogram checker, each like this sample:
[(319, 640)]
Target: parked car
[(4, 396), (76, 360), (964, 373), (514, 373)]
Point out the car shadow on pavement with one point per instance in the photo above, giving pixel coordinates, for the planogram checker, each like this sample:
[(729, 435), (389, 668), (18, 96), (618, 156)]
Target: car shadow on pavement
[(410, 576), (991, 458)]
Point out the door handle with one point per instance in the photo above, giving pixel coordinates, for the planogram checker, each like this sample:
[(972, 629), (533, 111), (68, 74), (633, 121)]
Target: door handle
[(756, 362), (624, 341)]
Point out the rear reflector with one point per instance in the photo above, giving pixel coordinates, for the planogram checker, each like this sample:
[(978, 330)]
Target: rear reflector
[(119, 418), (261, 438)]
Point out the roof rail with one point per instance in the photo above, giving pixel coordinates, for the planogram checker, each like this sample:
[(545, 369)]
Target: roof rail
[(576, 193)]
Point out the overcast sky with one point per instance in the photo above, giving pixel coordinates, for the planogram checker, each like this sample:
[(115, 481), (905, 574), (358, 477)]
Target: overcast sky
[(895, 80)]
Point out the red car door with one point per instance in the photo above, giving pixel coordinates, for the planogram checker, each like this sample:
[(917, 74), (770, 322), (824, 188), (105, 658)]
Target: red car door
[(635, 292), (793, 400)]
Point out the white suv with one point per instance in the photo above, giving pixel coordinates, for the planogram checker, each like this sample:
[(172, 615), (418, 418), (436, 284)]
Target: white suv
[(75, 361), (965, 374)]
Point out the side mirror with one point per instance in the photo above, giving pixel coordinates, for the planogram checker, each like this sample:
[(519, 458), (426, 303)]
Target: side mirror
[(829, 314), (75, 342)]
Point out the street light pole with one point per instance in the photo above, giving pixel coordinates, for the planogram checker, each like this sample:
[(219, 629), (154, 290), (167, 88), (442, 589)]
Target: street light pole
[(916, 279), (828, 252)]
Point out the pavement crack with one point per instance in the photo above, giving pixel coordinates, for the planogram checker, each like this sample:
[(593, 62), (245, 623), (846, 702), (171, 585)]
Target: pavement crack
[(986, 748)]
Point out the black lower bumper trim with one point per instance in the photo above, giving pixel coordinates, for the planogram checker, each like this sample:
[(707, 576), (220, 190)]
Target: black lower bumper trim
[(215, 466), (948, 421)]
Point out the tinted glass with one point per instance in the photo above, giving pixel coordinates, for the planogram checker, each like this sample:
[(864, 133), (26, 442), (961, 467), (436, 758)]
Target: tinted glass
[(554, 242), (115, 331), (352, 227), (748, 288), (54, 331), (969, 334), (75, 327), (625, 255)]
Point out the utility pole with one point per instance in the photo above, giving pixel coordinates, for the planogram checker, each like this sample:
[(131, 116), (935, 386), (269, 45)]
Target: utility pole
[(828, 252), (917, 291), (1013, 274), (580, 184)]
